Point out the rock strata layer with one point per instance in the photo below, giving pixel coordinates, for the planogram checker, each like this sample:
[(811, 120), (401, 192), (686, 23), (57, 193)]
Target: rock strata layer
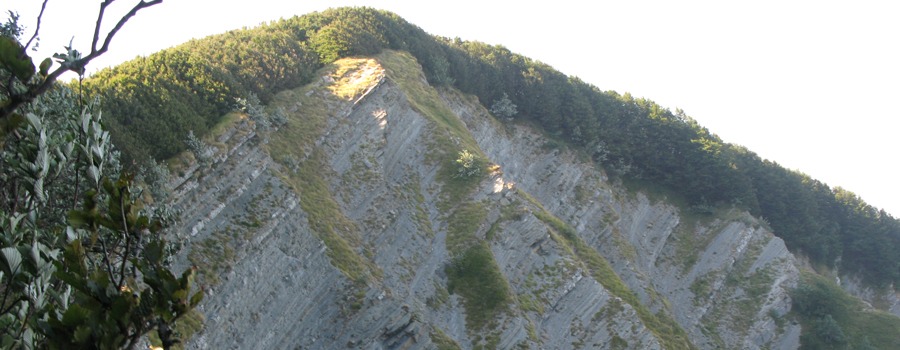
[(273, 281)]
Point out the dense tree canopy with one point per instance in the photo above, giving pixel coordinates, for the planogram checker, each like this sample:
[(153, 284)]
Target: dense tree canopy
[(155, 101)]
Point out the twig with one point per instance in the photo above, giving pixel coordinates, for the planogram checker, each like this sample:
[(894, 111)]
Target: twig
[(109, 268), (97, 52), (16, 100), (37, 28), (127, 242)]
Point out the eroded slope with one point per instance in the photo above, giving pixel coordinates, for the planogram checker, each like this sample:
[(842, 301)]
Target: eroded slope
[(351, 227)]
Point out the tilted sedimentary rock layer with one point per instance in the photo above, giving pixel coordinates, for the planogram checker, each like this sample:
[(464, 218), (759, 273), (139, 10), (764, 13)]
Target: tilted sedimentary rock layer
[(275, 279)]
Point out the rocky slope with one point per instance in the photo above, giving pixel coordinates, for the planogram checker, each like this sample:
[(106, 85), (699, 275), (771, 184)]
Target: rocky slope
[(343, 230)]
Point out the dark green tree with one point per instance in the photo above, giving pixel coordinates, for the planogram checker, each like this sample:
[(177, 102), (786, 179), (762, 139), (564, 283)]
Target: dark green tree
[(828, 330)]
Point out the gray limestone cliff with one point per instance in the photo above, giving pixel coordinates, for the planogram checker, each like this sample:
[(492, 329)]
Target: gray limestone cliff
[(334, 232)]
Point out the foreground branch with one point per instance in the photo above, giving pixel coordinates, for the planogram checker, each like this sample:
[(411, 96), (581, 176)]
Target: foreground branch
[(17, 100)]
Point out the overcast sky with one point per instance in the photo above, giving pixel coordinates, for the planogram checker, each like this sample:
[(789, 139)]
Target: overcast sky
[(812, 85)]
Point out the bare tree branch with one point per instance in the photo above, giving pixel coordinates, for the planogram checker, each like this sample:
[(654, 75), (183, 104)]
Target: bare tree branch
[(37, 28), (16, 100), (100, 13), (94, 51)]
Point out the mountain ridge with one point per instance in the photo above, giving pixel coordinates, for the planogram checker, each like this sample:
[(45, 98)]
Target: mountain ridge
[(320, 177), (189, 87), (514, 238)]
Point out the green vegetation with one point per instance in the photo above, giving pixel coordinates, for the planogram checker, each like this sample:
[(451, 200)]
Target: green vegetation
[(440, 297), (669, 333), (290, 146), (443, 342), (185, 328), (154, 101), (462, 226), (413, 193), (475, 276), (832, 319), (449, 136), (511, 211), (701, 288), (473, 273), (213, 256), (83, 259)]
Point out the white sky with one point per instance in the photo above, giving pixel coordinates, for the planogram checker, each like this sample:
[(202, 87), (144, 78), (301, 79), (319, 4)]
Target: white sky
[(812, 85)]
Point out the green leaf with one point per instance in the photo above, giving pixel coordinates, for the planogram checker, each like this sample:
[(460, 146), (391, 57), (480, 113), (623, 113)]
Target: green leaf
[(45, 66), (180, 294), (8, 342), (145, 307), (72, 280), (12, 57), (34, 120), (94, 172), (153, 252), (82, 334), (35, 255), (71, 234), (75, 315), (13, 260), (6, 320), (196, 298), (11, 123), (122, 306)]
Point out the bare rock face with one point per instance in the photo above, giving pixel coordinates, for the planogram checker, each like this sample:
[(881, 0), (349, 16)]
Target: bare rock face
[(886, 299), (281, 275), (724, 278)]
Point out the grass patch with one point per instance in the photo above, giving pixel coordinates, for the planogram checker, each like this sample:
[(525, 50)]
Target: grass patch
[(213, 256), (475, 276), (440, 297), (582, 194), (508, 212), (527, 302), (327, 220), (701, 288), (462, 226), (689, 241), (413, 193), (442, 341), (224, 123), (623, 245), (853, 324), (353, 76)]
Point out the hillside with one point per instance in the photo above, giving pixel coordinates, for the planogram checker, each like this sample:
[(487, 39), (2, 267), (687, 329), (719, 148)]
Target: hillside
[(155, 101), (585, 219), (351, 226)]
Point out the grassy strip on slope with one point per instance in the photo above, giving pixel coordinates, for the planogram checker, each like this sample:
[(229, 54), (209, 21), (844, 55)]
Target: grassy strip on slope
[(667, 331), (473, 274), (449, 134), (293, 145)]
